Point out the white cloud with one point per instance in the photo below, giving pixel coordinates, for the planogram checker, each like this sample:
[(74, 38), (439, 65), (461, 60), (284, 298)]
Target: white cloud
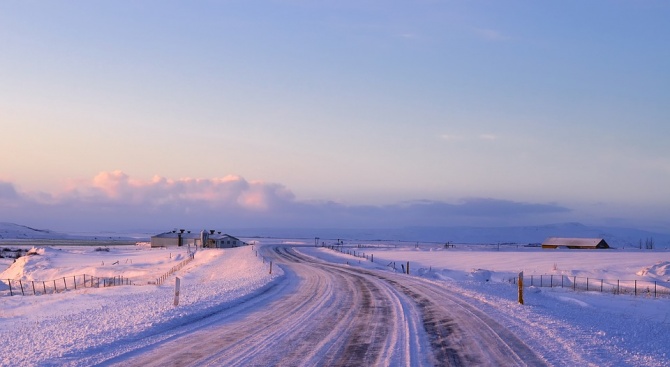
[(452, 137), (229, 191), (114, 200), (491, 34)]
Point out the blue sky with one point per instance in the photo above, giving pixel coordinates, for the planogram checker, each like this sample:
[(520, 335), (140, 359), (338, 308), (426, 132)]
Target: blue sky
[(353, 112)]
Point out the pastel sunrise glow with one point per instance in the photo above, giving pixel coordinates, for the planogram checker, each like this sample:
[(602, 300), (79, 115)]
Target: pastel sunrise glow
[(155, 115)]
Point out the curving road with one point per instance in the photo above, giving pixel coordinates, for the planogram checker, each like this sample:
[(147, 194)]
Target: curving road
[(334, 315)]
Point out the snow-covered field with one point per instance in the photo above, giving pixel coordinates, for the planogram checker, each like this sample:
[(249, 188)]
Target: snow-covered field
[(72, 328), (614, 330), (67, 328)]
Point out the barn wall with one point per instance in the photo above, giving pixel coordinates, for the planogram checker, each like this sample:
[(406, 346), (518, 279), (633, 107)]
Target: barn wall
[(163, 242)]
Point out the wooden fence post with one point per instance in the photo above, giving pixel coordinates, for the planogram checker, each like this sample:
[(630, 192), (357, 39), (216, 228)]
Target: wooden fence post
[(408, 267), (521, 287), (270, 266), (176, 291)]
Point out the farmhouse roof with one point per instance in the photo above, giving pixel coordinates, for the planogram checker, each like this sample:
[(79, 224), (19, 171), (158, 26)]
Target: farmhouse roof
[(174, 235), (223, 235), (572, 242)]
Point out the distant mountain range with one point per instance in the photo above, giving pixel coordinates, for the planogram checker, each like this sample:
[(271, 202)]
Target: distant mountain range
[(17, 231), (12, 231), (616, 237)]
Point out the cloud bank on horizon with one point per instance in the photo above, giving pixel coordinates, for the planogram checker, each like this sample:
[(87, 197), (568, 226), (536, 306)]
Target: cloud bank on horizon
[(116, 201), (339, 113)]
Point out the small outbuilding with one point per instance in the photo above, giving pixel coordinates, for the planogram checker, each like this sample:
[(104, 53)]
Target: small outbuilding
[(223, 241), (575, 243)]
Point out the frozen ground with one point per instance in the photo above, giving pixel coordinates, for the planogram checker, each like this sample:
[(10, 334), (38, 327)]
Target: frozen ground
[(607, 329), (564, 327), (66, 328)]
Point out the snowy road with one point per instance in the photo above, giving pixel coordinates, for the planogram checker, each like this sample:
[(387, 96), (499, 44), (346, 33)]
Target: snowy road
[(336, 315)]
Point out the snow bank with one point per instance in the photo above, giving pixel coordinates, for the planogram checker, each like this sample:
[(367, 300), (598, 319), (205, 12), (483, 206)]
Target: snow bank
[(68, 328), (659, 270), (72, 328), (600, 329)]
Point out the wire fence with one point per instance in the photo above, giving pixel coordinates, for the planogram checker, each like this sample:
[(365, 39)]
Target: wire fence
[(73, 282), (647, 288), (41, 287), (161, 279)]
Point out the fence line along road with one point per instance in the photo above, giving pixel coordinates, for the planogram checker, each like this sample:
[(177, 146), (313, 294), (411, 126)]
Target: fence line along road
[(72, 282), (162, 278), (650, 288)]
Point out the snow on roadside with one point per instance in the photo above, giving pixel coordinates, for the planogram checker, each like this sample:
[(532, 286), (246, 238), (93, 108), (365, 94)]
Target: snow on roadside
[(64, 328), (569, 328), (71, 328)]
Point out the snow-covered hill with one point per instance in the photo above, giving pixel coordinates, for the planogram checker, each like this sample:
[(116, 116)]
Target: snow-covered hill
[(94, 317), (17, 231), (11, 232)]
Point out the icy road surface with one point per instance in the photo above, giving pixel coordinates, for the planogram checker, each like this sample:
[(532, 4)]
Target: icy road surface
[(335, 315)]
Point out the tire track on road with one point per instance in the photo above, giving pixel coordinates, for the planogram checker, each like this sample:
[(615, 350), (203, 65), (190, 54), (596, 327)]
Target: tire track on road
[(338, 315), (333, 317)]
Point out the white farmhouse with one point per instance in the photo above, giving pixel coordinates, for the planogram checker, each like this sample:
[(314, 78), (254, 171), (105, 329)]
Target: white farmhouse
[(179, 238), (223, 241)]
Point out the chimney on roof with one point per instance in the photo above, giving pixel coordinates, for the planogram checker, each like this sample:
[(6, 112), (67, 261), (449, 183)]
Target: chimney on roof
[(219, 232), (211, 231), (181, 230)]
